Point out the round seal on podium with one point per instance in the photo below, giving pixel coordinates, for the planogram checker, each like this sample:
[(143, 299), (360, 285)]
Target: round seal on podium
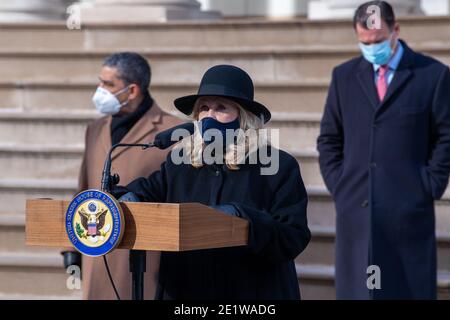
[(94, 222)]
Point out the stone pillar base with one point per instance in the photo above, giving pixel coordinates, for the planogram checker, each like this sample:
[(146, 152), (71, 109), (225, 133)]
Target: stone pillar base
[(33, 10), (436, 7), (141, 13), (323, 9), (258, 8)]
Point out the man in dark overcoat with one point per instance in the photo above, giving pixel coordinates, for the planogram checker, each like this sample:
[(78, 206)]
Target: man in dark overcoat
[(384, 152)]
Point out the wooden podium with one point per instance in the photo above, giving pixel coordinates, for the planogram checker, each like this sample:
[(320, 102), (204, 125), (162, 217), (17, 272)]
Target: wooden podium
[(148, 226)]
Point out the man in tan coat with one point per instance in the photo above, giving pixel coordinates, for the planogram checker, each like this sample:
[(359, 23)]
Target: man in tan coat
[(131, 116)]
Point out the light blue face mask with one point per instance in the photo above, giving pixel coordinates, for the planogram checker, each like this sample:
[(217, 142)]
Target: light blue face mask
[(378, 53)]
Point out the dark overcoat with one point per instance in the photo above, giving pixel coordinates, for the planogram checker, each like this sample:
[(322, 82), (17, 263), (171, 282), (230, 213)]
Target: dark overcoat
[(385, 163), (274, 205)]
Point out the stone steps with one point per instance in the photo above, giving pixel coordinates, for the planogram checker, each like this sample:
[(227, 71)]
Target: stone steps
[(44, 128), (14, 192), (33, 274), (316, 275), (321, 250), (318, 281), (40, 162), (68, 128), (76, 295), (269, 64), (36, 161), (30, 140), (321, 211), (57, 96), (186, 65), (12, 235), (228, 33), (49, 75)]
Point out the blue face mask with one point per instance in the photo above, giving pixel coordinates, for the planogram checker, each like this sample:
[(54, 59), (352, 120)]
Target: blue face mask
[(378, 53), (211, 123)]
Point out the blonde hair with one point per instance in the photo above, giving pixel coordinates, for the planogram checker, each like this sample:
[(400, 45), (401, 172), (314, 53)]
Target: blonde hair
[(194, 145)]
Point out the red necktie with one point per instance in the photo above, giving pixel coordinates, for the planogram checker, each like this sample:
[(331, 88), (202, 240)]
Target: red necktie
[(382, 82)]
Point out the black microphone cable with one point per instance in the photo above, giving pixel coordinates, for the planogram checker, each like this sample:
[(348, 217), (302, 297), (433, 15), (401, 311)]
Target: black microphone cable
[(110, 277)]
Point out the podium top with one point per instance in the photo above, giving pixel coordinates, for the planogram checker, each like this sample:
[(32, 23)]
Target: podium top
[(148, 226)]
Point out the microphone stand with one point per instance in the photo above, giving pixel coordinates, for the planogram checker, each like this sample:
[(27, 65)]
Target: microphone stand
[(108, 180), (137, 258)]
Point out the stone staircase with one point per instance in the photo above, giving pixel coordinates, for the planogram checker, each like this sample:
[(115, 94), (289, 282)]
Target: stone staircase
[(49, 73)]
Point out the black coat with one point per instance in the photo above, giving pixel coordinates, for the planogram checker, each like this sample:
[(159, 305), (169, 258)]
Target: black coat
[(385, 163), (274, 205)]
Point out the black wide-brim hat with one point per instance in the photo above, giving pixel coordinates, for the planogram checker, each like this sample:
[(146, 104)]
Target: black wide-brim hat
[(229, 82)]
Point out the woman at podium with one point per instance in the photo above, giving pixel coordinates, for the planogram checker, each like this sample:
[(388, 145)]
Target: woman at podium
[(237, 179)]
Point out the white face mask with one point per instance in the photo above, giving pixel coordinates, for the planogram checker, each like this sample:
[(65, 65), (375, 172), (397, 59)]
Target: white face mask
[(107, 102)]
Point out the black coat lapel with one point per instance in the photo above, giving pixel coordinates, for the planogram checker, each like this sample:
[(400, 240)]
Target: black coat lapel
[(366, 79), (402, 74)]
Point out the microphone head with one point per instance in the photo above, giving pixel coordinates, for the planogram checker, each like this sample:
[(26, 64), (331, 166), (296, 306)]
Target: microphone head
[(167, 138)]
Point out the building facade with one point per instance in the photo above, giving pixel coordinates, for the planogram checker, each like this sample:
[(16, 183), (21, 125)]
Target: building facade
[(164, 10)]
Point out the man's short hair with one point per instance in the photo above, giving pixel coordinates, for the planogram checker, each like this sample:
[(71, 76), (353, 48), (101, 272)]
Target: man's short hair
[(131, 68), (362, 15)]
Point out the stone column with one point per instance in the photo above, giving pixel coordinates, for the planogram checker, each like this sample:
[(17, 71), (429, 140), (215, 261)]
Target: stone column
[(331, 9), (33, 10), (260, 8), (138, 11), (436, 7)]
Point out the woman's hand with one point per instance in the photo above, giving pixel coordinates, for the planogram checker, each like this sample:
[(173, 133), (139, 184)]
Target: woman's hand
[(118, 191)]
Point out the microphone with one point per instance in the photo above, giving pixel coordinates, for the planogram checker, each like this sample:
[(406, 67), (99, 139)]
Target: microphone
[(165, 138), (108, 180)]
